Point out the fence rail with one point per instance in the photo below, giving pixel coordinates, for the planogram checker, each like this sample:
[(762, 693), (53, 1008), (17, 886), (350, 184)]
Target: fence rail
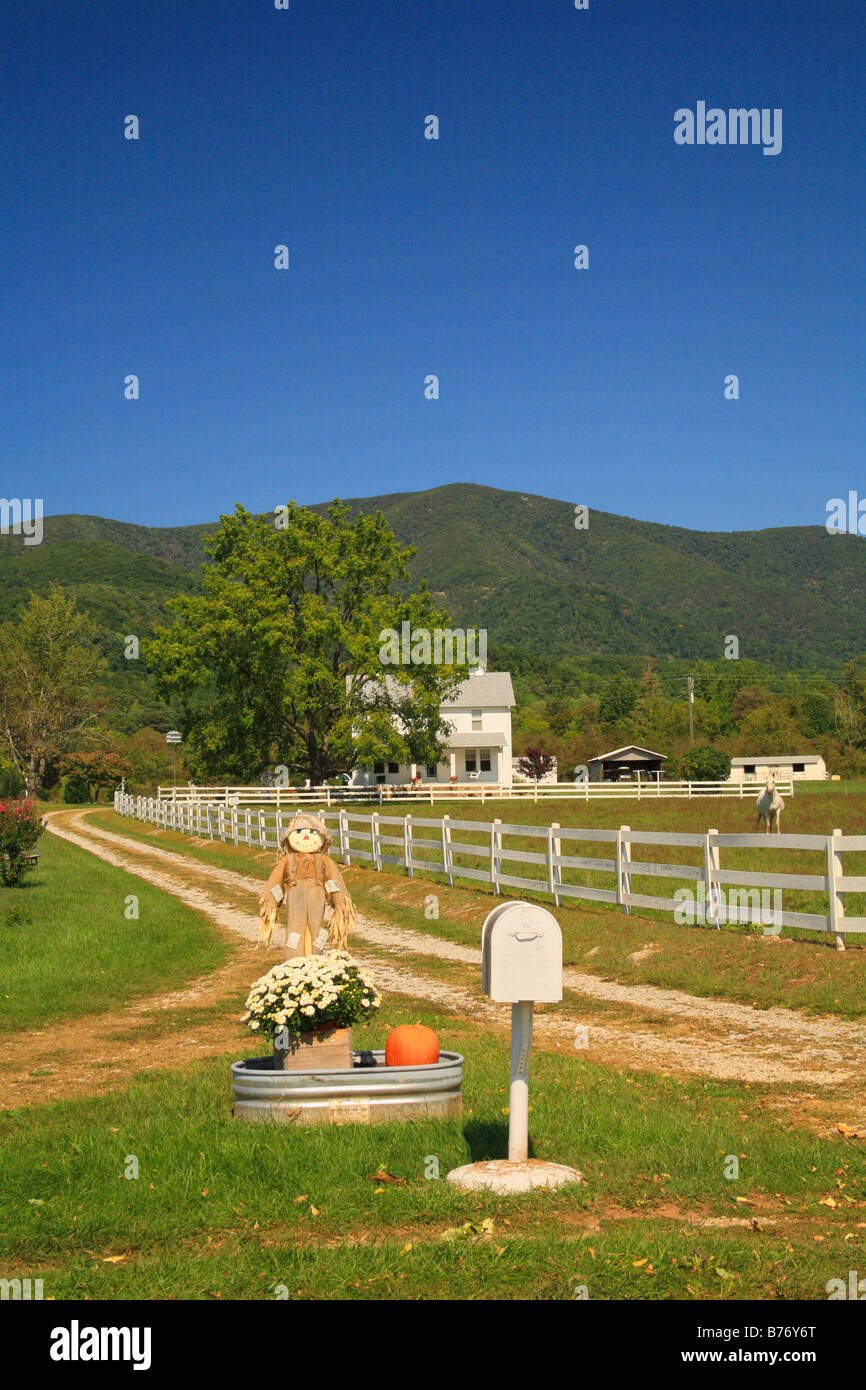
[(462, 791), (416, 843)]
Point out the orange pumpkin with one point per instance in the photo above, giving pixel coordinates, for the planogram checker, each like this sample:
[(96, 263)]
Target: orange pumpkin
[(411, 1045)]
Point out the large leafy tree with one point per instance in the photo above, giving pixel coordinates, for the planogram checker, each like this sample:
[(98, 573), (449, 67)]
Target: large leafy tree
[(619, 698), (279, 659), (49, 666)]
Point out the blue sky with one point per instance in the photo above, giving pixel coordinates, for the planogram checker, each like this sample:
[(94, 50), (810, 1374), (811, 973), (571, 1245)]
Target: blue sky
[(411, 256)]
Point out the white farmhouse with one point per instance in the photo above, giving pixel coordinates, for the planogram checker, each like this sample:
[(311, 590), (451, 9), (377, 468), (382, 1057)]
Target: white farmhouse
[(797, 767), (478, 748)]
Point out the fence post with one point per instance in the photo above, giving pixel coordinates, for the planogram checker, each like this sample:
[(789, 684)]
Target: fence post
[(690, 789), (447, 863), (711, 869), (623, 877), (535, 797), (374, 840), (837, 899), (327, 796), (261, 816), (495, 853), (554, 871), (407, 845), (345, 850), (248, 825)]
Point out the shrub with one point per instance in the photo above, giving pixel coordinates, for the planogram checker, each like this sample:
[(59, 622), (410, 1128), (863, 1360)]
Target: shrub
[(20, 828), (706, 765), (76, 791)]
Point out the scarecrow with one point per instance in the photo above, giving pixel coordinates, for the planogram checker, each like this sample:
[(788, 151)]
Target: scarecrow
[(308, 881)]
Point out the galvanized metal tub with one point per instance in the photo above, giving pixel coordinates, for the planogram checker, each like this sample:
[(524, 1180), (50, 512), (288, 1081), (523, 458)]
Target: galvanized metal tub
[(363, 1095)]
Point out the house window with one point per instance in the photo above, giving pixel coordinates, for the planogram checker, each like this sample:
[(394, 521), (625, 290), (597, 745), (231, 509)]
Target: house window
[(470, 761), (476, 719), (749, 770), (431, 769), (379, 769), (799, 767), (393, 767), (485, 759)]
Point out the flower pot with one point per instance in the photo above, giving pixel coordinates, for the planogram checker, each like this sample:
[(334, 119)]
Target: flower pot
[(327, 1048)]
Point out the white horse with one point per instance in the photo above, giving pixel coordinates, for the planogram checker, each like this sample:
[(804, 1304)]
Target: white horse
[(770, 806)]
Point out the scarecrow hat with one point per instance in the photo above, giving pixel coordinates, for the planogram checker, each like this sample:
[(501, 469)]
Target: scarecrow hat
[(303, 821)]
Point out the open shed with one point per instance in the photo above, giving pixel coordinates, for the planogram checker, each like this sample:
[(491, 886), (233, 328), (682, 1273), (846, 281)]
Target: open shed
[(622, 764)]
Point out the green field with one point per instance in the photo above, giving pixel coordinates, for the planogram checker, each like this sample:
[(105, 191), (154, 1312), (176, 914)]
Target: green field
[(222, 1209), (67, 948)]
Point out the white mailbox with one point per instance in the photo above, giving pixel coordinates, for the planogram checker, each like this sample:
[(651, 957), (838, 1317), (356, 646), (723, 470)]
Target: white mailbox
[(521, 955)]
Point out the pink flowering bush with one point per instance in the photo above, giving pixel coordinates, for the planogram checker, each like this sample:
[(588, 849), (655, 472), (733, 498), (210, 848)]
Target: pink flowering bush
[(20, 828)]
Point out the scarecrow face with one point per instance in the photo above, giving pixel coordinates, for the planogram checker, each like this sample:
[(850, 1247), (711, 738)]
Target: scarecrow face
[(305, 840)]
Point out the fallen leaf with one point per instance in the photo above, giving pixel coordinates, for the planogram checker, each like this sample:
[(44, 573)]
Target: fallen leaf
[(636, 1264), (113, 1259), (303, 1197), (827, 1202), (314, 1211), (406, 1248)]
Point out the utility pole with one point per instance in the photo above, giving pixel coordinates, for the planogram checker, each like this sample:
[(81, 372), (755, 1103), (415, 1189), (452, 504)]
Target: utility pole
[(691, 689), (173, 738)]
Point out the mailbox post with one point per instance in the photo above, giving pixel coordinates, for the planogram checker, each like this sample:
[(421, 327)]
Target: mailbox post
[(521, 965)]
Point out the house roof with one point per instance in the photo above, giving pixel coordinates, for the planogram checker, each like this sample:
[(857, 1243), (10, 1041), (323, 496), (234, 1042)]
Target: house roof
[(630, 752), (481, 690), (789, 758)]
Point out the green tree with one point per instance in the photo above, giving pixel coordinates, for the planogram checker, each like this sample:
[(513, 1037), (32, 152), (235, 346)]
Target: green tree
[(49, 664), (284, 656), (816, 714), (619, 698), (705, 765), (94, 771)]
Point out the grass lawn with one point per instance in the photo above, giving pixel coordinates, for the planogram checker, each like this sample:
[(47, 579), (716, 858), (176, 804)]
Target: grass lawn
[(803, 971), (67, 948), (223, 1209)]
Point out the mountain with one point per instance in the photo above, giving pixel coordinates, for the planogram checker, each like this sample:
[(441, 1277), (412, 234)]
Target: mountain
[(515, 564)]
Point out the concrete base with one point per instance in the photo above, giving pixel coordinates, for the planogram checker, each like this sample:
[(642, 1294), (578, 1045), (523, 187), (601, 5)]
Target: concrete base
[(501, 1175)]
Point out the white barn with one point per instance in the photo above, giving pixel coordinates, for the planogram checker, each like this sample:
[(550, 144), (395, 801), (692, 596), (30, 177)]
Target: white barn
[(797, 767), (478, 748)]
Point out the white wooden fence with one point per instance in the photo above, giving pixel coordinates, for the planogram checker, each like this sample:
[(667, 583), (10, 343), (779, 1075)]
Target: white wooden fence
[(429, 845), (461, 791)]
